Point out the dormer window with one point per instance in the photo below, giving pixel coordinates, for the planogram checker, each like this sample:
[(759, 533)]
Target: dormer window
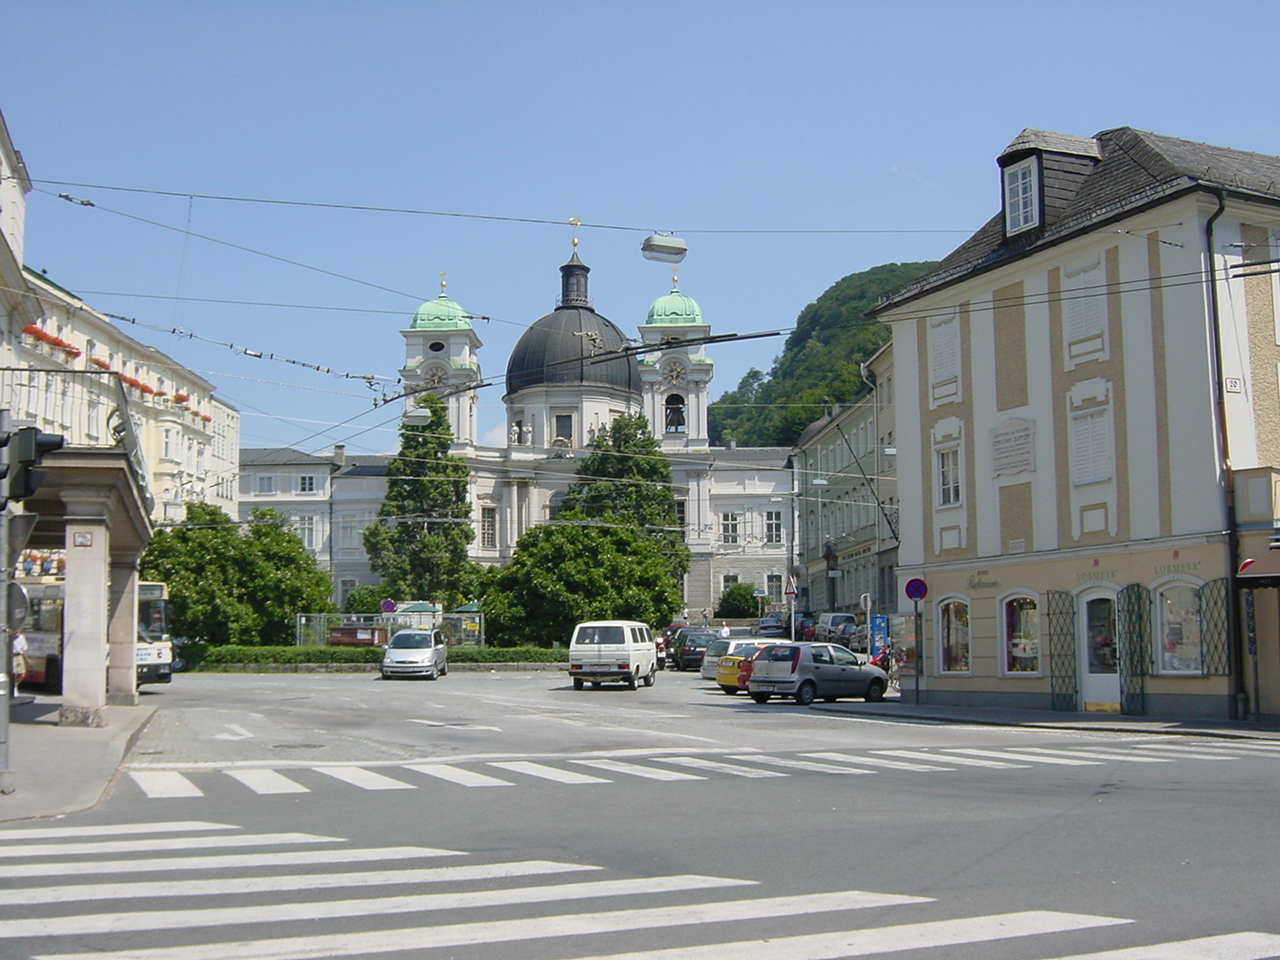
[(1021, 196)]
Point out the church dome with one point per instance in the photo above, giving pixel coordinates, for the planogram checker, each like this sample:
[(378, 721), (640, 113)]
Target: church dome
[(673, 310), (559, 349), (440, 314)]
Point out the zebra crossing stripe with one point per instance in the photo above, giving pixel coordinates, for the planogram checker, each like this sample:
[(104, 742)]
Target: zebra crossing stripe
[(1099, 753), (458, 775), (1013, 755), (878, 762), (266, 782), (79, 893), (1229, 946), (545, 772), (91, 923), (636, 770), (1191, 753), (861, 943), (364, 779), (179, 844), (809, 766), (283, 858), (951, 758), (111, 830), (716, 766), (164, 784), (368, 943)]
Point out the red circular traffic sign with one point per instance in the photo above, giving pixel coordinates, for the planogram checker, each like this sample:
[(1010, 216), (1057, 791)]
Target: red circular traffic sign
[(916, 589)]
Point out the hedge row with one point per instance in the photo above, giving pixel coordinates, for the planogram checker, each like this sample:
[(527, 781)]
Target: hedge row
[(216, 656)]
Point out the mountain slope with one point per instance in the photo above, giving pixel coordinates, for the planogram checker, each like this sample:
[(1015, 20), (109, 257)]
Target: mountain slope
[(818, 365)]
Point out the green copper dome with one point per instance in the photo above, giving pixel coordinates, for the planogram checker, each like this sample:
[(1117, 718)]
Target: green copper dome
[(440, 314), (673, 310)]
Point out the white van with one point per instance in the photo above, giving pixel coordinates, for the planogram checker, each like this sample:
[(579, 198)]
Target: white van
[(612, 651)]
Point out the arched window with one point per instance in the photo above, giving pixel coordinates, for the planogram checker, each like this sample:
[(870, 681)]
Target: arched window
[(1179, 648), (675, 414), (1020, 622), (953, 636)]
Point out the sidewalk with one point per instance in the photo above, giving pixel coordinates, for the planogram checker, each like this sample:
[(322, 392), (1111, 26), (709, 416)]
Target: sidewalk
[(58, 770)]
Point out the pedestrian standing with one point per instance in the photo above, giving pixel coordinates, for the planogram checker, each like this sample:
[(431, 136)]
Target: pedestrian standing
[(724, 630), (19, 649)]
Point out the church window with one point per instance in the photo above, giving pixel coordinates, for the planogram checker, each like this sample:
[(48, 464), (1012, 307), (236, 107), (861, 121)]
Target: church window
[(436, 346), (675, 413), (489, 527), (564, 427)]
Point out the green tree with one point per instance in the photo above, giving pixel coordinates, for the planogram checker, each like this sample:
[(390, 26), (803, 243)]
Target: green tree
[(366, 598), (565, 573), (419, 546), (738, 602), (627, 479), (230, 585)]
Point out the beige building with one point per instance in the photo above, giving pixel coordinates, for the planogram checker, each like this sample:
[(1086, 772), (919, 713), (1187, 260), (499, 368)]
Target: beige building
[(1089, 442)]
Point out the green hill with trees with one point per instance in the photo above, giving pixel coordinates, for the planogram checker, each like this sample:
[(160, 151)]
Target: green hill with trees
[(819, 364)]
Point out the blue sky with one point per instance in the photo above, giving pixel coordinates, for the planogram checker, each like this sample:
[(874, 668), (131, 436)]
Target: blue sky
[(789, 144)]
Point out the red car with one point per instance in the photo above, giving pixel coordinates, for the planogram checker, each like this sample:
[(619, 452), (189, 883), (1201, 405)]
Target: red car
[(745, 667)]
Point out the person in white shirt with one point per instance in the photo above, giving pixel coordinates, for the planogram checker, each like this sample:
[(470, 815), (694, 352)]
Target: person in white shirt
[(19, 648), (724, 630)]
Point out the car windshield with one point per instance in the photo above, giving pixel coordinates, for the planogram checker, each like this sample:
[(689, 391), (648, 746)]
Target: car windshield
[(779, 654), (411, 641), (717, 648), (600, 635), (698, 640)]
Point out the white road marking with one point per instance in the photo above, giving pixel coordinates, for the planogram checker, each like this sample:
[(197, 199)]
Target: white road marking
[(879, 762), (284, 858), (635, 770), (1230, 946), (267, 781), (364, 779), (153, 844), (237, 733), (466, 778), (861, 943), (1014, 755), (808, 766), (1098, 753), (949, 758), (79, 893), (194, 917), (164, 784), (716, 766), (547, 773), (456, 726), (509, 931), (111, 830), (1191, 753)]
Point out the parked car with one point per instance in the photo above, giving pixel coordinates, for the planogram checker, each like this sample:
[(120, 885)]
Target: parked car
[(829, 625), (416, 653), (809, 671), (746, 666), (769, 627), (612, 651), (720, 648), (805, 628), (852, 635), (729, 670), (689, 647)]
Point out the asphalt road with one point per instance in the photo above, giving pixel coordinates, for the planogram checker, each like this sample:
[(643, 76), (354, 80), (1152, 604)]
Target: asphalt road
[(505, 815)]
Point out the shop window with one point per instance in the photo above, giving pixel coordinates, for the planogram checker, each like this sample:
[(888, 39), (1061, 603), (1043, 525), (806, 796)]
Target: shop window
[(1178, 630), (1021, 635), (953, 636)]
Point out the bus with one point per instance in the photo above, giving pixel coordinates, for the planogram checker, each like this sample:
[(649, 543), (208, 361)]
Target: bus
[(46, 596)]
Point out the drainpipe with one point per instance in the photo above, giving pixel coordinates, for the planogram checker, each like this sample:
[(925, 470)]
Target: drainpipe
[(1235, 656)]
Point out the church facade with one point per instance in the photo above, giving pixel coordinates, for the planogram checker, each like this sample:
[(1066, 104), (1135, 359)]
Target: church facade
[(565, 383)]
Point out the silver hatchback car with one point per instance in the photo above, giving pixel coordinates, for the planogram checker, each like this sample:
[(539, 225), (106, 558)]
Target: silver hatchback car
[(416, 653), (809, 671)]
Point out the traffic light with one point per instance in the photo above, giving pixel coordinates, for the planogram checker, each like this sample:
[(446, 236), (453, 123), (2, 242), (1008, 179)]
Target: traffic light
[(24, 449)]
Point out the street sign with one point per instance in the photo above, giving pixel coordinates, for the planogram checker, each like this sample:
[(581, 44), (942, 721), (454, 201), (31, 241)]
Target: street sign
[(388, 606), (791, 587), (916, 589), (17, 605)]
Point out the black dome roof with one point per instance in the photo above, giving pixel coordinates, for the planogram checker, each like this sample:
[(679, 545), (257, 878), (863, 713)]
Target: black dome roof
[(560, 348)]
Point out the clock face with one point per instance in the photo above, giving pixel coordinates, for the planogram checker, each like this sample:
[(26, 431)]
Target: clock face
[(674, 373), (435, 377)]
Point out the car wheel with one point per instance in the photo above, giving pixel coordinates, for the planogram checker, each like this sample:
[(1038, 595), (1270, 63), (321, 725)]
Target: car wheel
[(444, 670), (433, 674), (577, 684), (385, 676), (731, 691), (875, 691), (806, 693), (178, 665), (649, 678), (631, 681), (761, 697)]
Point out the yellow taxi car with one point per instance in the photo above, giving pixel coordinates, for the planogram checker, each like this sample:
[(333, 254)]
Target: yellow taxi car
[(727, 669)]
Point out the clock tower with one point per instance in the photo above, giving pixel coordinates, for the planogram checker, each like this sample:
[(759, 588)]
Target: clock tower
[(441, 357), (676, 380)]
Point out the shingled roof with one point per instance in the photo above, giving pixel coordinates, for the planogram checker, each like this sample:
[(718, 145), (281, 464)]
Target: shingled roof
[(1087, 182)]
